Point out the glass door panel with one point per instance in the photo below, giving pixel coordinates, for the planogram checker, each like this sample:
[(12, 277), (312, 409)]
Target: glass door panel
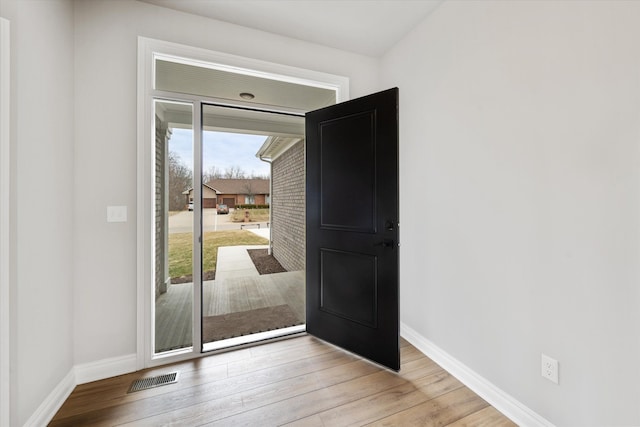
[(173, 226), (247, 295)]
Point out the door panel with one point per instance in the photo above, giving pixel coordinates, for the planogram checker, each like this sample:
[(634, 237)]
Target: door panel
[(349, 162), (359, 271), (352, 235)]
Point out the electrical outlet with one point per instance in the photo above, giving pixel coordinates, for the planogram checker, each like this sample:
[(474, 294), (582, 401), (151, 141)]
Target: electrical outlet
[(549, 369), (116, 214)]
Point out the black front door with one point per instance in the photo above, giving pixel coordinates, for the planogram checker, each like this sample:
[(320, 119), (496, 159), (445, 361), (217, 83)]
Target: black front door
[(352, 226)]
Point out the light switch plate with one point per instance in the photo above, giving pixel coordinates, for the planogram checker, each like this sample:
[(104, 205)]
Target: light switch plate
[(116, 214)]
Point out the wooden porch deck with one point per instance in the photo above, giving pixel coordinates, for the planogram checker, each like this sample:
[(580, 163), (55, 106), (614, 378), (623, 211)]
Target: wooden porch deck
[(224, 296)]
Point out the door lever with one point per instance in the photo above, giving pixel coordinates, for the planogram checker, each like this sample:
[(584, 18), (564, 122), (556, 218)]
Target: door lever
[(386, 243)]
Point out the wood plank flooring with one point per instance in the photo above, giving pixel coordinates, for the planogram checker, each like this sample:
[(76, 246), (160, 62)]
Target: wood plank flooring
[(296, 382)]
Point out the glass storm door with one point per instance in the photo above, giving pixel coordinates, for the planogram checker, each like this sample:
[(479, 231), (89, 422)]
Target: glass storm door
[(212, 208), (173, 226)]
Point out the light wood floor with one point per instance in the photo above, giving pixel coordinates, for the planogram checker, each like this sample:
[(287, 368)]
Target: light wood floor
[(297, 382)]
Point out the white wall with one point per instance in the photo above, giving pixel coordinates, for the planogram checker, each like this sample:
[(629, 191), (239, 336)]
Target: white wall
[(42, 200), (520, 160), (105, 155), (519, 129), (5, 227)]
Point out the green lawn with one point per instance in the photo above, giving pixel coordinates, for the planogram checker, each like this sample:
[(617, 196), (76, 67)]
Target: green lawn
[(181, 255), (255, 215)]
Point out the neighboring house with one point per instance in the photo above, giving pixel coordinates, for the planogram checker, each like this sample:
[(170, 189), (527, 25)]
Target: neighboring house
[(209, 196), (232, 192)]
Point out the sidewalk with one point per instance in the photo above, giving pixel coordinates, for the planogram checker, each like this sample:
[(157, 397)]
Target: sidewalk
[(234, 261)]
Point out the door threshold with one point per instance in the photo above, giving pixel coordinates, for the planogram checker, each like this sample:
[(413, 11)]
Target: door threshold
[(253, 339)]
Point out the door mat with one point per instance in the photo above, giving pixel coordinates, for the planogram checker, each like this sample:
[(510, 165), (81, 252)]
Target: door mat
[(215, 328)]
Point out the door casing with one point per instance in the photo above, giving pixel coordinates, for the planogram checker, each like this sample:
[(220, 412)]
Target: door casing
[(148, 51)]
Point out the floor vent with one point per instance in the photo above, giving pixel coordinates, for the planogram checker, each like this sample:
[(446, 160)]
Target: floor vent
[(147, 383)]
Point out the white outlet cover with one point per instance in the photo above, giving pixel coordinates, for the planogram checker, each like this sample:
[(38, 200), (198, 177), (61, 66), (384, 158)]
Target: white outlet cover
[(549, 368), (116, 214)]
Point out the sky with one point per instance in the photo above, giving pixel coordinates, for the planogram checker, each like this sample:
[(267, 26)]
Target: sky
[(221, 149)]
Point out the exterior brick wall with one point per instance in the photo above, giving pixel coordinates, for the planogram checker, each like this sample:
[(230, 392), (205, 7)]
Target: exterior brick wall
[(287, 208), (162, 136)]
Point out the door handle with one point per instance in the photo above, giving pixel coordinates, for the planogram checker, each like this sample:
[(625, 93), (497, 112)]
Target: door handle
[(386, 243)]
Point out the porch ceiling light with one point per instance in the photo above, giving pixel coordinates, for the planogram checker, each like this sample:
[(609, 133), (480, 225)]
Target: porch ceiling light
[(247, 95)]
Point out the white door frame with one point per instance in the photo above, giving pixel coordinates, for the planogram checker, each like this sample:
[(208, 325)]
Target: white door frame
[(5, 228), (148, 50)]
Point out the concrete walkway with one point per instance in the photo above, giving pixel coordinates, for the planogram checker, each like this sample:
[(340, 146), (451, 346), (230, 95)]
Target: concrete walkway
[(262, 232), (234, 261)]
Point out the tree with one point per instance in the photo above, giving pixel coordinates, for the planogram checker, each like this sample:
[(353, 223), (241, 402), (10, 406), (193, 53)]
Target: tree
[(180, 180), (258, 176), (250, 200), (212, 173), (234, 172)]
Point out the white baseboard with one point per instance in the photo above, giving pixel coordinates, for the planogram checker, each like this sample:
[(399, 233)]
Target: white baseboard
[(79, 374), (510, 407), (48, 408), (105, 368)]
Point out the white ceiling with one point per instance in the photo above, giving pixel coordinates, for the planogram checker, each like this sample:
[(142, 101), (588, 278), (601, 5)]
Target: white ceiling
[(368, 27)]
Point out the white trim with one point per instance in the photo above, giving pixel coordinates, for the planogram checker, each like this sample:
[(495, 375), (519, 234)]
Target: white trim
[(105, 368), (271, 151), (5, 227), (190, 55), (198, 239), (503, 402), (148, 50), (253, 338), (48, 408), (79, 374), (144, 342)]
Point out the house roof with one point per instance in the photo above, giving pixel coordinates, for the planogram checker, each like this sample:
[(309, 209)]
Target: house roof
[(239, 186), (275, 146), (190, 189)]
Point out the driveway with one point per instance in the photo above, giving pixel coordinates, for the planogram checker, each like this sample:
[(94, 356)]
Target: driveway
[(182, 222)]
